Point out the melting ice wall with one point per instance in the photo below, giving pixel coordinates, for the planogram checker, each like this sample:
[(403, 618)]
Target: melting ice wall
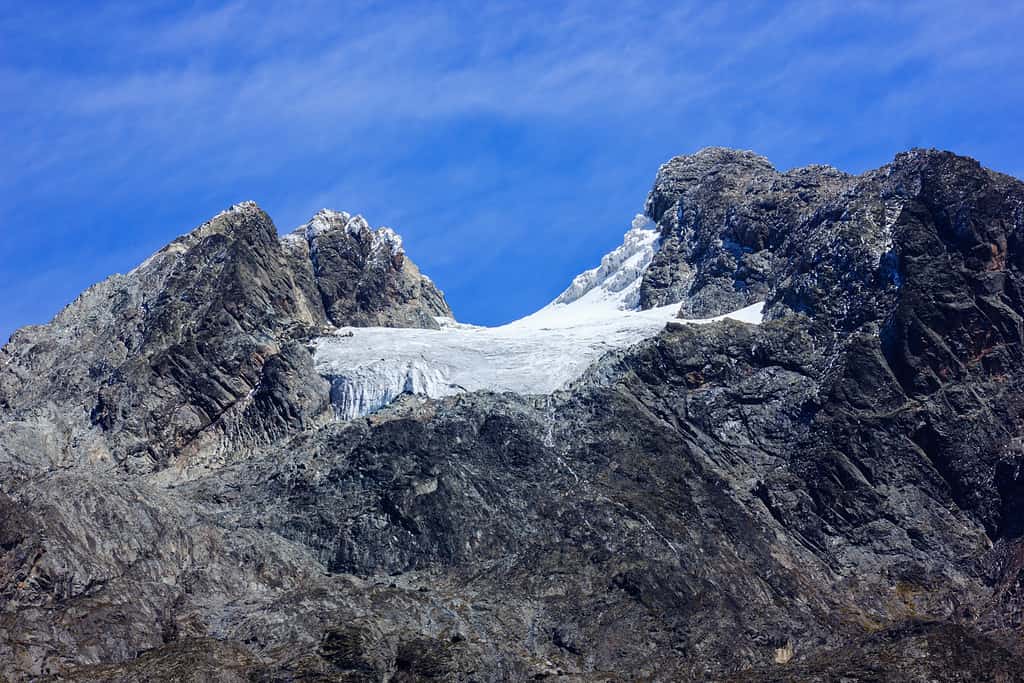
[(368, 387)]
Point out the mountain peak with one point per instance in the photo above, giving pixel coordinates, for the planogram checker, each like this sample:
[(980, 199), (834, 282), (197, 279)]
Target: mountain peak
[(616, 281), (356, 226), (245, 220)]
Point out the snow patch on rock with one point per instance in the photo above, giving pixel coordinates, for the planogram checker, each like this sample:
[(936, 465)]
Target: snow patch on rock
[(326, 220), (294, 243)]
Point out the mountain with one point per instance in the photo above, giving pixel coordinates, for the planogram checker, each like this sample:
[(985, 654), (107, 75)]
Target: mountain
[(277, 458)]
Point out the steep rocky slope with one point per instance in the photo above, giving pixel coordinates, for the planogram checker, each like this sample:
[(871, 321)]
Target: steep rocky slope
[(835, 494), (363, 276), (171, 361)]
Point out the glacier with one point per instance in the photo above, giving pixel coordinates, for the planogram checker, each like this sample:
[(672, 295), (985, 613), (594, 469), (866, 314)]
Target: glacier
[(369, 367)]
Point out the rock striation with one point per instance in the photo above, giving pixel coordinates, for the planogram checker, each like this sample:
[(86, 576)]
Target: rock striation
[(724, 216), (834, 494), (363, 276), (168, 364)]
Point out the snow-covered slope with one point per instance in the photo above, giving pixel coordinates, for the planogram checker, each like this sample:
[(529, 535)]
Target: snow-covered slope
[(541, 353), (616, 282)]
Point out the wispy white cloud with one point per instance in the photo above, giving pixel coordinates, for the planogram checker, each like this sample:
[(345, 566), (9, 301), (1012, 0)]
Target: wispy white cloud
[(209, 83)]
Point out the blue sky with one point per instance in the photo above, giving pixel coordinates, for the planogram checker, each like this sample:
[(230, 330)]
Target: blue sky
[(510, 144)]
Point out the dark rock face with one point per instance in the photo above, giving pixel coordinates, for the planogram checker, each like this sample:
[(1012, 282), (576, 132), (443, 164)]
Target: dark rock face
[(916, 651), (158, 359), (364, 277), (723, 215), (835, 494)]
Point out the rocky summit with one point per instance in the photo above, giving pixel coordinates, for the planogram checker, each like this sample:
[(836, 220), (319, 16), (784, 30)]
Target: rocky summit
[(823, 480)]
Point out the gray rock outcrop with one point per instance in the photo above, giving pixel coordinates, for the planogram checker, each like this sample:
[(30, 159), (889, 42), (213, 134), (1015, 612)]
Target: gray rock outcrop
[(364, 277)]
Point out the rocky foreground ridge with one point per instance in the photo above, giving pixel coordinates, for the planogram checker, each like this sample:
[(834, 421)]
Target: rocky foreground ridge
[(835, 494)]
